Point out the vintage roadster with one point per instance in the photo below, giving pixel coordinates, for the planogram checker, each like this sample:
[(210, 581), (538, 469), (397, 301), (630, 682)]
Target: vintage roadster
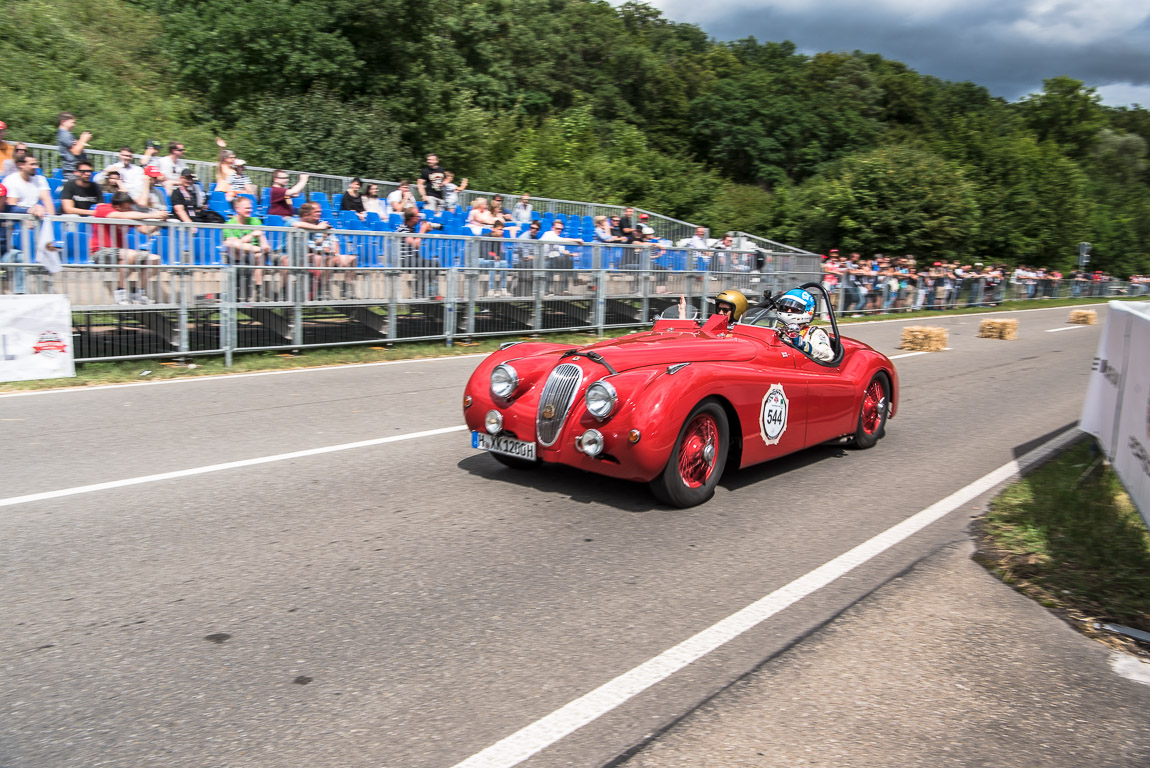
[(673, 406)]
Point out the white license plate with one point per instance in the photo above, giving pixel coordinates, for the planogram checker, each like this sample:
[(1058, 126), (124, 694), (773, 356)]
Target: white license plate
[(502, 444)]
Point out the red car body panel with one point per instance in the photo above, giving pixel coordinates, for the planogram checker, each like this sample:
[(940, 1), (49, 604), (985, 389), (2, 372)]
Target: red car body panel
[(735, 366)]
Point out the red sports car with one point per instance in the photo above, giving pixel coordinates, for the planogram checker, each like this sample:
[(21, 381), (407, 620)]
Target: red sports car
[(673, 406)]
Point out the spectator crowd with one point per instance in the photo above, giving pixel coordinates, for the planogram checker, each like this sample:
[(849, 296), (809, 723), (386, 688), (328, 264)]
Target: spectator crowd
[(152, 188)]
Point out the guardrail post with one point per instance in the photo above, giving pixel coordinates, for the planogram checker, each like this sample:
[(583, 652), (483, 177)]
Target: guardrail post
[(471, 278), (228, 332), (449, 305), (538, 285)]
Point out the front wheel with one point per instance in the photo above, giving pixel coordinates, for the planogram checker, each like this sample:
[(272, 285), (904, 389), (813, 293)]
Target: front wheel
[(873, 412), (698, 459)]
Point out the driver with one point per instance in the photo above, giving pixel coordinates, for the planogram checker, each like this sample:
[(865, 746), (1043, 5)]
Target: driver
[(796, 308), (732, 304)]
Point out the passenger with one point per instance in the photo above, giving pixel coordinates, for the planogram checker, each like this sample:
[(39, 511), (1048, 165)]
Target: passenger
[(796, 308), (732, 304)]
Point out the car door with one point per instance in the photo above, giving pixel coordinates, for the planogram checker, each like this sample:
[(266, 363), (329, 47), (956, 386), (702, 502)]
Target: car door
[(831, 396), (772, 401)]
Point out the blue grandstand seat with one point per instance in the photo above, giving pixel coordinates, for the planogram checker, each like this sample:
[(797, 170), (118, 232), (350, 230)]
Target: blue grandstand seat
[(335, 200), (266, 197), (107, 197), (76, 246), (58, 174), (319, 197), (54, 185)]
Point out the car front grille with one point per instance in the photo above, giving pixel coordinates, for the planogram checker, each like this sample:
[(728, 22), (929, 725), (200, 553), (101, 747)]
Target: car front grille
[(558, 394)]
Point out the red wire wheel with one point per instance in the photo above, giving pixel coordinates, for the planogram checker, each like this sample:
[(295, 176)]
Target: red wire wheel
[(873, 412), (699, 448), (698, 458)]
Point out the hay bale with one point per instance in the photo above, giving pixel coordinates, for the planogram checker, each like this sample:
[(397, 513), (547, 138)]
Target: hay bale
[(998, 329), (1083, 317), (923, 338)]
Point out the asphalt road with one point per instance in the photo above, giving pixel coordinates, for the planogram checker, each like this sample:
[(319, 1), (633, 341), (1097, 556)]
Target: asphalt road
[(410, 603)]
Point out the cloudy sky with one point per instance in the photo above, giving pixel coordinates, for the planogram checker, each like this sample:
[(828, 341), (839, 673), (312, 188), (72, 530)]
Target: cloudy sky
[(1009, 46)]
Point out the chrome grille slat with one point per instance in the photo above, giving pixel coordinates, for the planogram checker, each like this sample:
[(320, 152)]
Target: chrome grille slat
[(558, 393)]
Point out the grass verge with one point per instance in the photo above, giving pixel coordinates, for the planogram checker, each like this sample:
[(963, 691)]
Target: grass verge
[(120, 372), (1068, 536)]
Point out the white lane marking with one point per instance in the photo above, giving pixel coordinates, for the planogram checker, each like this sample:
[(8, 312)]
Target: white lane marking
[(1066, 328), (230, 376), (906, 354), (544, 732), (1130, 667), (220, 467)]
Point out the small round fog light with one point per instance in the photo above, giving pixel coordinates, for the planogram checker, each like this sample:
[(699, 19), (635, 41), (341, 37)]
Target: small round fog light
[(633, 436), (467, 401), (494, 422), (591, 442)]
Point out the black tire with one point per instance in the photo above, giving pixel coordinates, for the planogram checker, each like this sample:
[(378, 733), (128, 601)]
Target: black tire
[(873, 412), (515, 462), (695, 481)]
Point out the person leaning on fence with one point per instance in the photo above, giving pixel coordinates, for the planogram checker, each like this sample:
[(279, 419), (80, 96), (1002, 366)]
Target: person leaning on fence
[(558, 257), (495, 260), (247, 248), (320, 251), (525, 259), (409, 256), (110, 245)]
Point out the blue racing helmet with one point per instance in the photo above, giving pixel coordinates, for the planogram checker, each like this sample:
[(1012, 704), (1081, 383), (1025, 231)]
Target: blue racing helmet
[(796, 307)]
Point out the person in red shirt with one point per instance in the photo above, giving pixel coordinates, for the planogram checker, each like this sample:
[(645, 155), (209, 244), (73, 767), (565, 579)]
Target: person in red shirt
[(280, 202), (110, 245)]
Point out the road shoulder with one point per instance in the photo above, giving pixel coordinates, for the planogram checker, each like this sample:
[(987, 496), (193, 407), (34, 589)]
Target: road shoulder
[(944, 665)]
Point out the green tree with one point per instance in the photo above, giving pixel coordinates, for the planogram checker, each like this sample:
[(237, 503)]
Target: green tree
[(895, 199), (1066, 113)]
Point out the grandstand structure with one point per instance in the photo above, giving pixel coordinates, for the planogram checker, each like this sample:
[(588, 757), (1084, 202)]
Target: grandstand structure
[(202, 299)]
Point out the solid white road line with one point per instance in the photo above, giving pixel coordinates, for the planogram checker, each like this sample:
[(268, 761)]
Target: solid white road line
[(230, 376), (220, 467), (544, 732), (1066, 328), (906, 354)]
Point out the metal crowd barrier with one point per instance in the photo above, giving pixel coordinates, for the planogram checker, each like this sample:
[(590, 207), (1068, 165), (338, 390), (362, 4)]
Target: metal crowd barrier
[(168, 289), (980, 291)]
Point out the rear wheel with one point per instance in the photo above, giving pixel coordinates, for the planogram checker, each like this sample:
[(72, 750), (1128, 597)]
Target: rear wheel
[(873, 411), (698, 459)]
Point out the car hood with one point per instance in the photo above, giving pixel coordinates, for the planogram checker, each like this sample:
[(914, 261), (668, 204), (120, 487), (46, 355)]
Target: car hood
[(670, 347)]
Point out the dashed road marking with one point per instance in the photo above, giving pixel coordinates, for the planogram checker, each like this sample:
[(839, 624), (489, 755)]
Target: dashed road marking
[(12, 501)]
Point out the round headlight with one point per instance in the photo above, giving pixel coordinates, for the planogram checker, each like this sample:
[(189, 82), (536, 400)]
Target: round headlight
[(493, 422), (504, 380), (590, 442), (601, 399)]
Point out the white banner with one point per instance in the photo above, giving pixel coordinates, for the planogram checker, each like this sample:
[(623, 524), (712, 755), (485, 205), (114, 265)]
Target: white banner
[(1117, 407), (35, 338)]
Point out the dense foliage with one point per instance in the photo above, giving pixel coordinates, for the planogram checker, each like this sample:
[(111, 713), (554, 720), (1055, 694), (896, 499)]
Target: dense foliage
[(581, 100)]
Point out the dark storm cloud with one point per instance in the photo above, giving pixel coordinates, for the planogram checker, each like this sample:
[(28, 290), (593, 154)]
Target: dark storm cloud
[(1009, 47)]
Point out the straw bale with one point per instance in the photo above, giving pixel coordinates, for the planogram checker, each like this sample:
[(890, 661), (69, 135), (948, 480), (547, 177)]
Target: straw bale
[(998, 329), (923, 338), (1083, 316)]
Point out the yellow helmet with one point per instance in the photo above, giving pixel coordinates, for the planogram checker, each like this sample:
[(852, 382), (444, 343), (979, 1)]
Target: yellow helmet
[(736, 299)]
